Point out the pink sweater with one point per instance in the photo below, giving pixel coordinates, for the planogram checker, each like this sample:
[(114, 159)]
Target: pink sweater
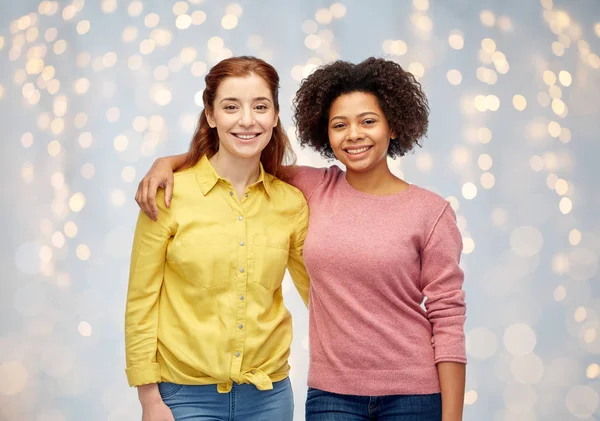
[(372, 260)]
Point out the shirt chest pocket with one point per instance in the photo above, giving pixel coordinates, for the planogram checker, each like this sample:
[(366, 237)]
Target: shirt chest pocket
[(269, 260), (201, 262)]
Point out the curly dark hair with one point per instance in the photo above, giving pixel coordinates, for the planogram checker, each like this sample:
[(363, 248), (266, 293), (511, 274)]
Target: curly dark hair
[(399, 94)]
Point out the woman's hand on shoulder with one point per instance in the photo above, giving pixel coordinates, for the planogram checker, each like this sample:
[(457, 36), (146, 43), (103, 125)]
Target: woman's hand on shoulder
[(160, 175)]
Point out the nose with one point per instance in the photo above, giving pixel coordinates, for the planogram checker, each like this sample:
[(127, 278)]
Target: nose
[(354, 133), (246, 118)]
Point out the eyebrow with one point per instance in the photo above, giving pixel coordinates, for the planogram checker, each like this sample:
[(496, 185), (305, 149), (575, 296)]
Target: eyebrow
[(260, 98), (359, 116)]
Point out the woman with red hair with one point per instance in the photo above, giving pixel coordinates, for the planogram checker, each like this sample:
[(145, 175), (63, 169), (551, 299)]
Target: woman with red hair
[(207, 334)]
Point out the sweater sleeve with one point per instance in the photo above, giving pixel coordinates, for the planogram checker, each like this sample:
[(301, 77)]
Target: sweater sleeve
[(441, 282), (305, 179)]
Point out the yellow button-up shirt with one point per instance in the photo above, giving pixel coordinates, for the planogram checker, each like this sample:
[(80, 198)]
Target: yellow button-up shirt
[(205, 304)]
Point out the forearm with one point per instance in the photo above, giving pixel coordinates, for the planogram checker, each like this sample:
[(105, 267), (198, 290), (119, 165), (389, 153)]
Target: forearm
[(149, 394), (141, 336), (175, 161), (287, 172), (452, 383), (141, 333)]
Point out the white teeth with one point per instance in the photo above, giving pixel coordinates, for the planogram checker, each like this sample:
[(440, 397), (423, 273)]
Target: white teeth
[(357, 151), (246, 136)]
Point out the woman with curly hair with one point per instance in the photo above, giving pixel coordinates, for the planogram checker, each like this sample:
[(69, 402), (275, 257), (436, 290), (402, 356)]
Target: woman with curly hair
[(377, 248)]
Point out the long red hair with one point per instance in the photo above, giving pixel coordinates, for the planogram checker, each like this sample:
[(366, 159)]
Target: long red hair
[(206, 141)]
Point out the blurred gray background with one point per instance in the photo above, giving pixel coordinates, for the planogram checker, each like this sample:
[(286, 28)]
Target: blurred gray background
[(91, 92)]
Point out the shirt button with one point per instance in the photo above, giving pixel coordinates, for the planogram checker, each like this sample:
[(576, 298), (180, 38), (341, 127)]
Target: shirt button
[(237, 354), (241, 270), (242, 243), (246, 195), (253, 371), (241, 298), (241, 326), (240, 217), (230, 193)]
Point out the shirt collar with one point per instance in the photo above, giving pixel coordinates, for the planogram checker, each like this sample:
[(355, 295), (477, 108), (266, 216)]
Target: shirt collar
[(208, 178)]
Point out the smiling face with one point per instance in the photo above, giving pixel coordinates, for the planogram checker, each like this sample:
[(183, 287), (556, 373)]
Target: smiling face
[(359, 132), (244, 115)]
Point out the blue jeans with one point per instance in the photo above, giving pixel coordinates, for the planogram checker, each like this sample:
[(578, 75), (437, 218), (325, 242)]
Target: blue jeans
[(244, 403), (326, 406)]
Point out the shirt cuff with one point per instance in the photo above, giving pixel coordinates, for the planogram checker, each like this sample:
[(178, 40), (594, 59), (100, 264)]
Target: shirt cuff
[(141, 374)]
